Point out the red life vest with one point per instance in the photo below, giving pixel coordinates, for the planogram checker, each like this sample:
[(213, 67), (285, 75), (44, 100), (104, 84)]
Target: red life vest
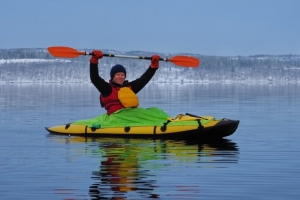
[(112, 103)]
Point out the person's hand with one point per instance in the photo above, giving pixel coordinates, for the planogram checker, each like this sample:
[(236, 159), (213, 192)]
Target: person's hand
[(96, 56), (155, 61)]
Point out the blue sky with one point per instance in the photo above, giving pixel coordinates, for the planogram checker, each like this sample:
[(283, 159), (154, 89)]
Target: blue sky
[(208, 27)]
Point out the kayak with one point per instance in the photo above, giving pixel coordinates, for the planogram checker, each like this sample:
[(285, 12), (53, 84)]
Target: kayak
[(149, 122)]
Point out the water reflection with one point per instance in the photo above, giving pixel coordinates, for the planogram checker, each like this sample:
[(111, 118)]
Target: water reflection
[(132, 168)]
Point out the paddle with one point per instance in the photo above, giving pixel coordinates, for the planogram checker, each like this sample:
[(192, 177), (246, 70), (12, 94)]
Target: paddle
[(68, 52)]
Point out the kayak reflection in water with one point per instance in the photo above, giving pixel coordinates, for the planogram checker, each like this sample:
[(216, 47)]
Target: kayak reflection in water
[(118, 93), (133, 167), (121, 173)]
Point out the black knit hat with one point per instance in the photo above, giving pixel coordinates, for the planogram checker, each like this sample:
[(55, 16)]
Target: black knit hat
[(115, 69)]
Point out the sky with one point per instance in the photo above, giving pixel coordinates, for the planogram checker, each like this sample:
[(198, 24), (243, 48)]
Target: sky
[(206, 27)]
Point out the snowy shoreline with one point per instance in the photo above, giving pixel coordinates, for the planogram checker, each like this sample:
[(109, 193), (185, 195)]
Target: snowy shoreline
[(37, 66)]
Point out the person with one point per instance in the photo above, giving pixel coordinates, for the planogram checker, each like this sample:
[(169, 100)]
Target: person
[(119, 93)]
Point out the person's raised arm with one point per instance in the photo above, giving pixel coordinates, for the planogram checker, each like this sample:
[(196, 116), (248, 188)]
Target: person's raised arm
[(103, 87), (139, 83)]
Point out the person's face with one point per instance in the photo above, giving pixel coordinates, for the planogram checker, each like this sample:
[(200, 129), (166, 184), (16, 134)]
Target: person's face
[(119, 78)]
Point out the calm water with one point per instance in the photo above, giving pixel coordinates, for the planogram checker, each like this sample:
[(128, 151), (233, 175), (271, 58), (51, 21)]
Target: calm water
[(259, 161)]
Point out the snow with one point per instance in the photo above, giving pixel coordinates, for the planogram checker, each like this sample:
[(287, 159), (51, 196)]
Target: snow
[(37, 66)]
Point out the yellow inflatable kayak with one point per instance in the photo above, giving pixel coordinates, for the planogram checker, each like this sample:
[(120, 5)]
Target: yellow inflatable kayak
[(129, 123)]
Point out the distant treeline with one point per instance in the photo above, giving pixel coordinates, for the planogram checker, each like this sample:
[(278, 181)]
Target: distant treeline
[(257, 68)]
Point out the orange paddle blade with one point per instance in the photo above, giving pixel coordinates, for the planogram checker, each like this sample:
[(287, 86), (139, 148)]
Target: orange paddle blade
[(185, 61), (64, 52)]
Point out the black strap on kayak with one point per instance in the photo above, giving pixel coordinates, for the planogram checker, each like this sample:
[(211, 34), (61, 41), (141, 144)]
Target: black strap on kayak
[(198, 120), (154, 130), (200, 126), (195, 116), (163, 128), (67, 126)]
